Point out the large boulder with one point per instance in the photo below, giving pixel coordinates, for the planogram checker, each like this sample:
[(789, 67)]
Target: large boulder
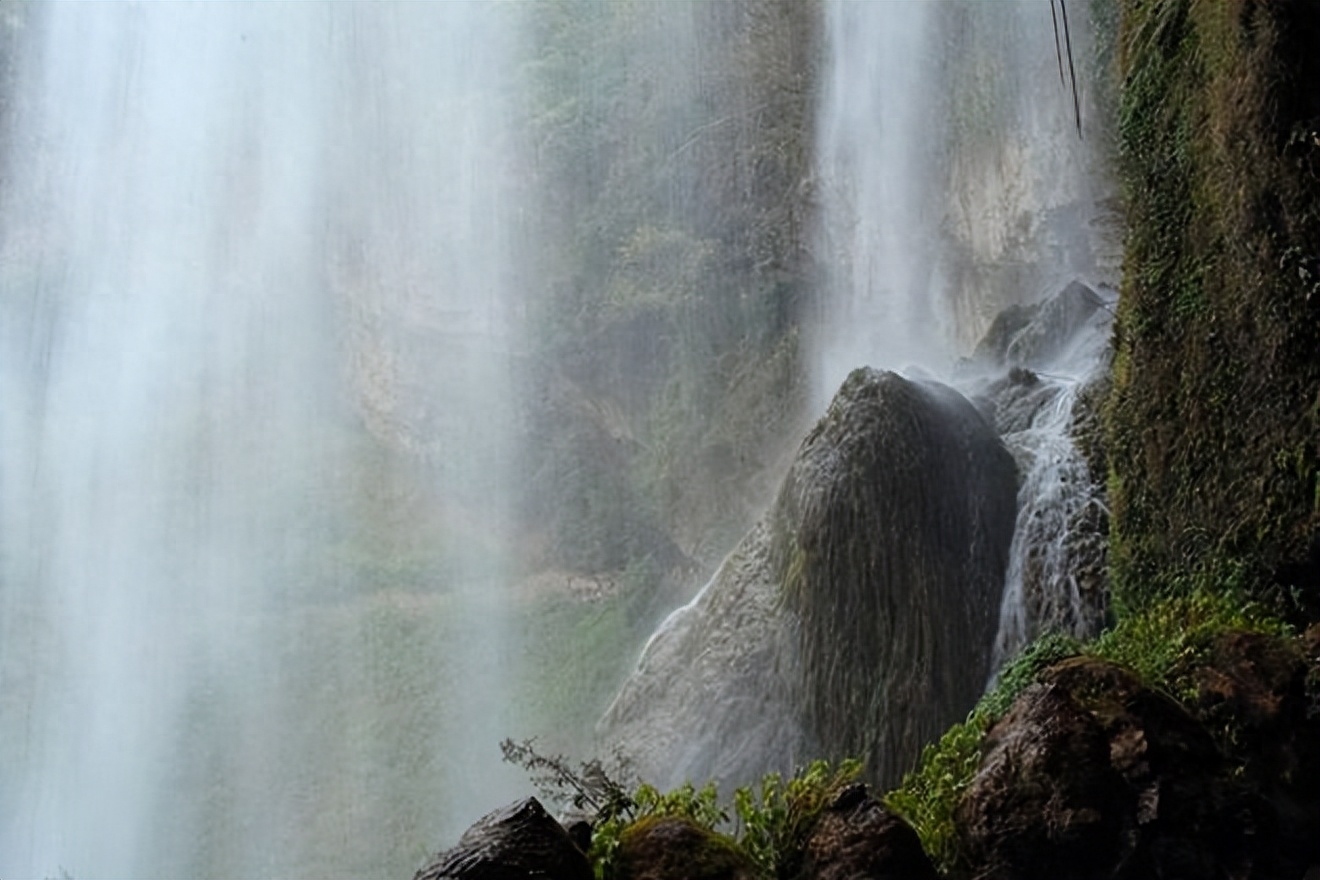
[(674, 848), (856, 619), (513, 843), (892, 532), (1092, 774), (857, 837), (1266, 690)]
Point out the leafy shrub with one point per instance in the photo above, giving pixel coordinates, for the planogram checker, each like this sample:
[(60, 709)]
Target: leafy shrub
[(1169, 638), (929, 795), (1163, 644), (774, 817)]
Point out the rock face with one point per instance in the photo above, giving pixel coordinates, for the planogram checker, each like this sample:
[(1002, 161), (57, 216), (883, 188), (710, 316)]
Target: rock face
[(1038, 377), (1092, 774), (513, 843), (712, 697), (892, 535), (857, 837), (855, 619)]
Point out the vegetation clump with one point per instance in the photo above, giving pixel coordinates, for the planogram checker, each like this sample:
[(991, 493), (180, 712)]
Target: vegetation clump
[(1174, 646), (1213, 425), (765, 836)]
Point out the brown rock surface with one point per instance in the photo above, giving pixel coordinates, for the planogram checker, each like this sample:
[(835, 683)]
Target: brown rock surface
[(859, 838), (513, 843)]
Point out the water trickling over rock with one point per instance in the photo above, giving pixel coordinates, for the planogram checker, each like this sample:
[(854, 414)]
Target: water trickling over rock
[(857, 618)]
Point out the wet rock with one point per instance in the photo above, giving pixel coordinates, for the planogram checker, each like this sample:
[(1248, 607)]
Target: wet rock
[(992, 350), (1045, 802), (892, 534), (1054, 327), (673, 848), (858, 838), (1266, 690), (1091, 774), (855, 619), (513, 843), (712, 697)]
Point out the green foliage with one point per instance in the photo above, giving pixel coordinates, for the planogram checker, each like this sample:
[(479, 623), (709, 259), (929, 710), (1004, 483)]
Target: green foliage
[(1020, 672), (588, 787), (775, 818), (1166, 640), (1163, 644), (699, 805), (1212, 432), (928, 796)]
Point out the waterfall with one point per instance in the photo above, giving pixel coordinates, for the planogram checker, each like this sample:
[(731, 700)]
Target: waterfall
[(878, 126), (233, 236), (954, 183)]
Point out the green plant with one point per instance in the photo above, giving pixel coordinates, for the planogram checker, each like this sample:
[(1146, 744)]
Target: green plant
[(775, 818), (929, 795), (1165, 641), (590, 786)]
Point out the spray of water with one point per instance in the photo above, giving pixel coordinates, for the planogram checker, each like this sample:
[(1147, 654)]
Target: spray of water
[(233, 235)]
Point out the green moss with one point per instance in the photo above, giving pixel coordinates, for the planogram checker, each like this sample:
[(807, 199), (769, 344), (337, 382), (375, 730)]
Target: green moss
[(928, 796), (653, 845), (1164, 644), (1212, 429), (1168, 639)]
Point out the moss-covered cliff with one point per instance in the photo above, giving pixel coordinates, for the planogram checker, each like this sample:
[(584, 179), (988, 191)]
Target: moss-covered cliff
[(1214, 422)]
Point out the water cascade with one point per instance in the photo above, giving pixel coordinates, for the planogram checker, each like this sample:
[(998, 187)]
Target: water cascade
[(283, 283), (956, 184), (957, 201), (233, 235)]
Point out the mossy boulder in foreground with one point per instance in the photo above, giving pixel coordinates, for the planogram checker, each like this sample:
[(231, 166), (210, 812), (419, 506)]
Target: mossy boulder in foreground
[(677, 848), (1093, 773)]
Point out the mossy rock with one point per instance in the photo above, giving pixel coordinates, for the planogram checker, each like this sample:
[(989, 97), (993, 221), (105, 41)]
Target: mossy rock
[(1093, 774), (891, 539), (1213, 425), (675, 848)]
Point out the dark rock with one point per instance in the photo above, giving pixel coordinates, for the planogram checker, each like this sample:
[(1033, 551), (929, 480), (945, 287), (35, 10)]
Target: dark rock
[(673, 848), (992, 350), (855, 619), (858, 838), (1264, 689), (513, 843), (1045, 802), (892, 535), (1092, 774), (1036, 335), (580, 833), (1053, 327)]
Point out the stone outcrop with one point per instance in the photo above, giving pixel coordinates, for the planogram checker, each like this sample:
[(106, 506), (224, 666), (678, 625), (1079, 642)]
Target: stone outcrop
[(1093, 774), (513, 843), (674, 848), (855, 619), (858, 837), (1038, 376), (892, 535)]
